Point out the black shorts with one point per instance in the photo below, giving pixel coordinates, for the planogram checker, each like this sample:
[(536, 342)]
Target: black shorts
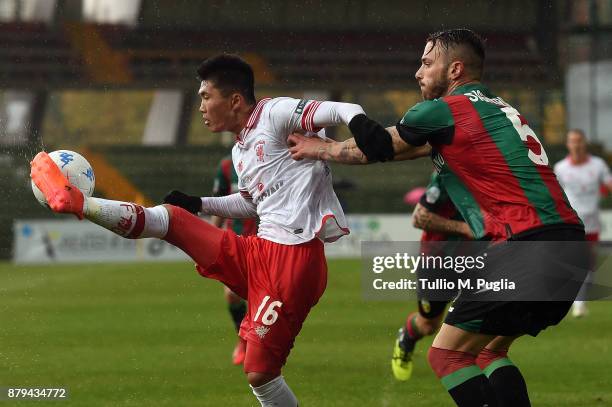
[(512, 318), (431, 309)]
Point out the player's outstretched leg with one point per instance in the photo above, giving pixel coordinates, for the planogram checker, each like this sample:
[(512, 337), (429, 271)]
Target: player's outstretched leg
[(200, 240), (124, 218)]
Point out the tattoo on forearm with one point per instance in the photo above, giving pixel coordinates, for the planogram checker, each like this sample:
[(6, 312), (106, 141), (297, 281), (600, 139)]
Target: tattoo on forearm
[(351, 154)]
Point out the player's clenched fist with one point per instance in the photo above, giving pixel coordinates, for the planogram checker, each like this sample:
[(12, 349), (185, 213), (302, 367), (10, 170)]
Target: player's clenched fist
[(190, 203)]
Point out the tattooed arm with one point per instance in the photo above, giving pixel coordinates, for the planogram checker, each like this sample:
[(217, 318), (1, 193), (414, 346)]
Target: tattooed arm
[(347, 152)]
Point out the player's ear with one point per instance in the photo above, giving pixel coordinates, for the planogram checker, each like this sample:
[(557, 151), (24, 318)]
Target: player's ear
[(236, 101), (455, 70)]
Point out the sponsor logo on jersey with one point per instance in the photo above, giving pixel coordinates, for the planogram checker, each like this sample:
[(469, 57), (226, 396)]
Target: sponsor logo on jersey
[(269, 192), (259, 150)]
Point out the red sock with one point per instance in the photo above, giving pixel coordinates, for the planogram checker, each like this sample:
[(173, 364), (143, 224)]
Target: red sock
[(411, 327)]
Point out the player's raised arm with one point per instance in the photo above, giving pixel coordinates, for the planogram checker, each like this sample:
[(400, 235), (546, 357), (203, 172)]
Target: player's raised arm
[(289, 115)]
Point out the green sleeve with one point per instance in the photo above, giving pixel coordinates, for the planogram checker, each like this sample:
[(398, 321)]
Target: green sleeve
[(221, 185), (430, 121)]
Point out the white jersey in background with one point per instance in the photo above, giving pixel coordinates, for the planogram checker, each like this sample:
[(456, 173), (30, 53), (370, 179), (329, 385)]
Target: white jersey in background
[(295, 199), (581, 184)]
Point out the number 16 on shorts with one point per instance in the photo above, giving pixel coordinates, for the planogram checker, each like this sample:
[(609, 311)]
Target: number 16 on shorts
[(270, 316)]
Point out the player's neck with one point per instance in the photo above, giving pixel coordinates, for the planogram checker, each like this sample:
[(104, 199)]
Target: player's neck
[(579, 158), (458, 83), (243, 119)]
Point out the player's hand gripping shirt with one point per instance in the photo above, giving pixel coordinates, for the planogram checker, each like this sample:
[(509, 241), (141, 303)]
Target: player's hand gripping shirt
[(490, 161), (295, 199), (581, 184)]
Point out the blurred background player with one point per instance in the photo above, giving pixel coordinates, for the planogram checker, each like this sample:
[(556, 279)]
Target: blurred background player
[(226, 183), (582, 176), (440, 221)]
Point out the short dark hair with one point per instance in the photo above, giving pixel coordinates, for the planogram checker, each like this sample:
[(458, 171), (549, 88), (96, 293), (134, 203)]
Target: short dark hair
[(580, 132), (466, 39), (229, 73)]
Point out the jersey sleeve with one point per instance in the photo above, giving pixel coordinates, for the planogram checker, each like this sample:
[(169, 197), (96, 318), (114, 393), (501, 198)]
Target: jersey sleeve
[(557, 171), (288, 115), (222, 185), (604, 176), (430, 121)]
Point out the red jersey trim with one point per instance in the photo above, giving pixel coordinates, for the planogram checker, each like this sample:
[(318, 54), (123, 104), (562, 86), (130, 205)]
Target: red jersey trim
[(253, 119), (308, 117), (140, 222), (345, 231)]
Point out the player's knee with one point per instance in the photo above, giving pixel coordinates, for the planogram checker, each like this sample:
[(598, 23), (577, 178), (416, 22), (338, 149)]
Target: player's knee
[(257, 379), (434, 358), (444, 361), (429, 326)]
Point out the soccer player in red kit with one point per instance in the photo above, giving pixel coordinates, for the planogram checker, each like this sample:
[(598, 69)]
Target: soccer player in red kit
[(282, 271)]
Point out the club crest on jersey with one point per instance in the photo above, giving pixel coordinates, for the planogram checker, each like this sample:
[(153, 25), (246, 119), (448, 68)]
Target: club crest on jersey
[(260, 186), (240, 166), (261, 331), (259, 150)]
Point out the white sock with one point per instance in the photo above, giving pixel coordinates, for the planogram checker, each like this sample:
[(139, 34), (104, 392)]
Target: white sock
[(275, 393), (127, 219)]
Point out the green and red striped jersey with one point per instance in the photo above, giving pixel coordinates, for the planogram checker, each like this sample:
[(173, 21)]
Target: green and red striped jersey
[(490, 161), (226, 183)]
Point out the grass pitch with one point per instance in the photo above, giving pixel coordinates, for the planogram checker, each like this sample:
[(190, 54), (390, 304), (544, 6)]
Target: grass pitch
[(160, 335)]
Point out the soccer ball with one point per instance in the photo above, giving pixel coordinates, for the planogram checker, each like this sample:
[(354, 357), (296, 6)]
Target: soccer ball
[(76, 168)]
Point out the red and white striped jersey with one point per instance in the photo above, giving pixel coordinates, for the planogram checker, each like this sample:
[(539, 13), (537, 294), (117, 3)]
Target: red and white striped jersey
[(295, 199)]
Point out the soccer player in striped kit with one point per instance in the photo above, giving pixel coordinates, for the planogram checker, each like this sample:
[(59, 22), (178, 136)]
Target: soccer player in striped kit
[(282, 271), (497, 174), (440, 221)]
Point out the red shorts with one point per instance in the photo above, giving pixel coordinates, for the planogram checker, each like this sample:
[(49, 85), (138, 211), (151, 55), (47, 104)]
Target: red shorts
[(280, 282)]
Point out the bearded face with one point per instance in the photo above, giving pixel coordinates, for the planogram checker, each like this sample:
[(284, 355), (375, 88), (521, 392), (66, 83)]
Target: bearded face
[(432, 76)]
